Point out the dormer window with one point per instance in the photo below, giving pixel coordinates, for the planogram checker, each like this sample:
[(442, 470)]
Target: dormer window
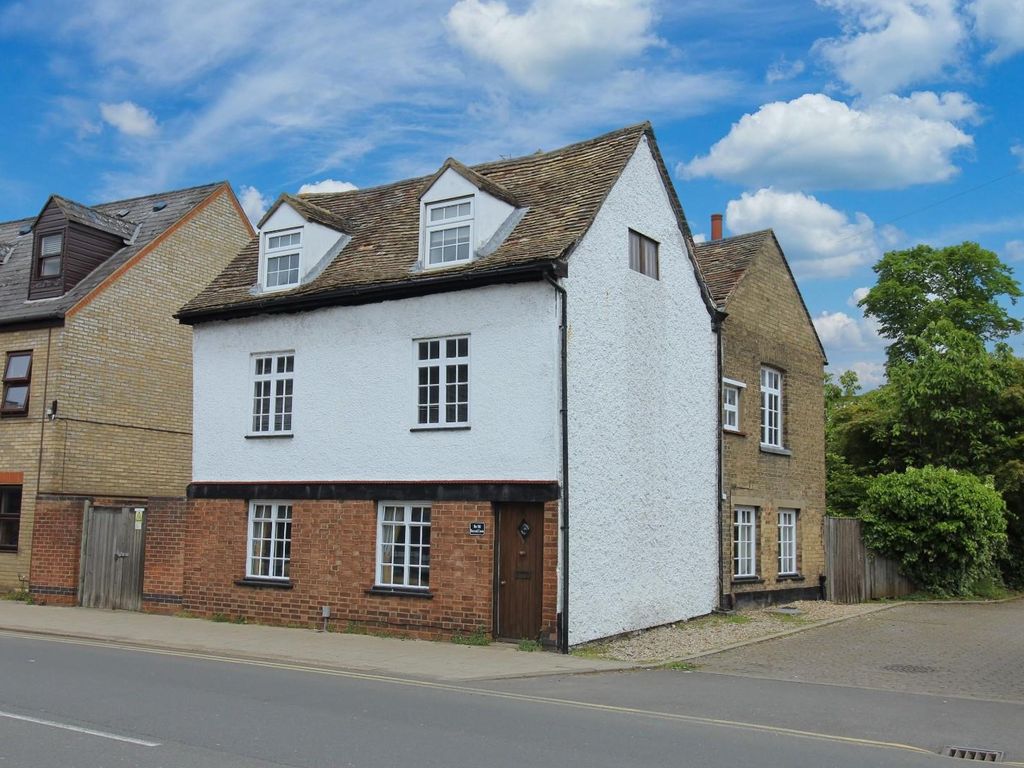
[(50, 249), (449, 232), (281, 258)]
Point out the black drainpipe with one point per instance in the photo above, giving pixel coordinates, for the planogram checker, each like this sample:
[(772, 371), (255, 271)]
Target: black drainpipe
[(716, 326), (563, 627)]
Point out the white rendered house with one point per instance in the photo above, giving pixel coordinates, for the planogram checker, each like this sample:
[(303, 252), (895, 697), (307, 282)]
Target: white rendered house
[(415, 403)]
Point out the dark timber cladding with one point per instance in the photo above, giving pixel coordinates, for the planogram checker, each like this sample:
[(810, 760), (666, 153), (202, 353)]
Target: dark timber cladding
[(523, 491), (84, 250)]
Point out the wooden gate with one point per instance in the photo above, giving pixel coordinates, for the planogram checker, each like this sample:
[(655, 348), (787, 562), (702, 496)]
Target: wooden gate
[(110, 575), (852, 573)]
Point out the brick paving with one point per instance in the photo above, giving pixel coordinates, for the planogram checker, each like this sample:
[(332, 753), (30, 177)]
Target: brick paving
[(973, 650)]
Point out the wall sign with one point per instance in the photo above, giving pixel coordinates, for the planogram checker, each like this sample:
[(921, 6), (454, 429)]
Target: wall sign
[(138, 518), (476, 529)]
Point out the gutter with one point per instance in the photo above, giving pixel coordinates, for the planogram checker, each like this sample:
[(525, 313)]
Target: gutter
[(563, 627), (368, 294)]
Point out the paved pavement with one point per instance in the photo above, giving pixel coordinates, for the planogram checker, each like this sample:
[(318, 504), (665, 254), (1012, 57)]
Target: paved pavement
[(417, 659), (948, 649)]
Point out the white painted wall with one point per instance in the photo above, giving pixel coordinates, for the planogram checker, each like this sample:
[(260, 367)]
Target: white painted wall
[(489, 212), (355, 392), (642, 422)]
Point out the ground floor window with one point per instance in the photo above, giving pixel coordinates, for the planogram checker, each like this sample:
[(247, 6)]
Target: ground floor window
[(744, 547), (787, 542), (403, 545), (270, 540), (10, 517)]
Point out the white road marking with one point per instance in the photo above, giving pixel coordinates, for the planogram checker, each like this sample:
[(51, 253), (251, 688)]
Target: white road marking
[(77, 729)]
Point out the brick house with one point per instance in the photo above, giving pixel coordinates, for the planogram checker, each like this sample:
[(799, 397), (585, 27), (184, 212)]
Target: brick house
[(773, 428), (96, 419), (398, 390)]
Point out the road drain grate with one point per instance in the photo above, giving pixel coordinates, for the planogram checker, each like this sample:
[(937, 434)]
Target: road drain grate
[(910, 669), (966, 753)]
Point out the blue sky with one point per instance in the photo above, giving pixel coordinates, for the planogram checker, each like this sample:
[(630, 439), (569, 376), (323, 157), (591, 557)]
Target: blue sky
[(851, 127)]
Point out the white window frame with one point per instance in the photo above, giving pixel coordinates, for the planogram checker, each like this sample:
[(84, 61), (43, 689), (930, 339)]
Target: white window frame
[(448, 224), (744, 563), (737, 387), (269, 253), (408, 546), (787, 542), (279, 394), (279, 541), (771, 407), (443, 363)]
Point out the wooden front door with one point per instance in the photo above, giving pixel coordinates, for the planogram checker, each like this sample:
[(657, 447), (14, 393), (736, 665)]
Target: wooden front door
[(520, 570), (111, 566)]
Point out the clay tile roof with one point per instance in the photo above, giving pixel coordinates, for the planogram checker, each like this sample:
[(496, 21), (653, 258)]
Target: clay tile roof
[(477, 179), (146, 226), (560, 191), (724, 262), (91, 217), (310, 211)]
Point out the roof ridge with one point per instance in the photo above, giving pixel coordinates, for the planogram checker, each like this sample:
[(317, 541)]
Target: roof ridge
[(160, 194), (755, 233)]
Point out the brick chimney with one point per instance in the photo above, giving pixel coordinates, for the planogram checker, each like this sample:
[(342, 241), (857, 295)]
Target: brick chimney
[(716, 226)]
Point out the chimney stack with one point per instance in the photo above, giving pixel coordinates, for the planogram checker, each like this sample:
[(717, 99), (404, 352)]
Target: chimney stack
[(716, 226)]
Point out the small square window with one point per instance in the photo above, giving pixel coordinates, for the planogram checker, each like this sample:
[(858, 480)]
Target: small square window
[(282, 253), (643, 255)]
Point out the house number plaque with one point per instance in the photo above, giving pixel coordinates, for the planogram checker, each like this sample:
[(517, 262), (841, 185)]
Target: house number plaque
[(476, 529)]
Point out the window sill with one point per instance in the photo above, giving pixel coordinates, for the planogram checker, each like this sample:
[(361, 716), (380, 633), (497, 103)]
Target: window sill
[(442, 428), (13, 414), (270, 436), (8, 551), (747, 580), (736, 432), (264, 583), (790, 577), (401, 592), (776, 450)]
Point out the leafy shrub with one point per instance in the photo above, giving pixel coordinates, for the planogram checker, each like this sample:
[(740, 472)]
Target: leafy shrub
[(946, 529)]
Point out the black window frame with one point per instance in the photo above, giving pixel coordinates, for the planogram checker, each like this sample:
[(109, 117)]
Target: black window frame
[(642, 262), (6, 516), (20, 381)]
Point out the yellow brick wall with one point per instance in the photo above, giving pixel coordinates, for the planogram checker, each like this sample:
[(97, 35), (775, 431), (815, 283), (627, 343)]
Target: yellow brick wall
[(20, 438), (768, 326), (125, 395)]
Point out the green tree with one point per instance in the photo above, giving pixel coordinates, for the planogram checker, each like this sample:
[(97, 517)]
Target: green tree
[(947, 529), (959, 283)]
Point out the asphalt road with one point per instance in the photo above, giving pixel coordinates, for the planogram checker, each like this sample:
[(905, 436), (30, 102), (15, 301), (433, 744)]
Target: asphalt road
[(67, 704)]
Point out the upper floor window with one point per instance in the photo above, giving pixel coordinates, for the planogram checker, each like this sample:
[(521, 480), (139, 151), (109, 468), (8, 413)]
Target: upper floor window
[(771, 407), (50, 249), (281, 253), (442, 370), (273, 384), (731, 404), (17, 377), (10, 517), (449, 232), (643, 254)]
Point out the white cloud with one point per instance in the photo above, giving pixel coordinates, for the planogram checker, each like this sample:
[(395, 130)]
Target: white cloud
[(856, 296), (1017, 150), (888, 45), (838, 330), (816, 142), (819, 240), (253, 202), (871, 374), (327, 185), (552, 38), (1014, 250), (129, 118), (783, 69), (1001, 22), (700, 237)]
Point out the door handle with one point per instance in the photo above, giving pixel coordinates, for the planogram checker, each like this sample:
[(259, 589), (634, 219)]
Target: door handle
[(501, 583), (118, 555)]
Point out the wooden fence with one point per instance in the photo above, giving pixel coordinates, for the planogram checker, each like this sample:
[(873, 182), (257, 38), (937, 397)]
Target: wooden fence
[(853, 574)]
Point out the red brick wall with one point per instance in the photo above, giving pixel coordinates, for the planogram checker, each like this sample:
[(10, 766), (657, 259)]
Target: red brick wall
[(333, 560), (163, 576), (56, 548)]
